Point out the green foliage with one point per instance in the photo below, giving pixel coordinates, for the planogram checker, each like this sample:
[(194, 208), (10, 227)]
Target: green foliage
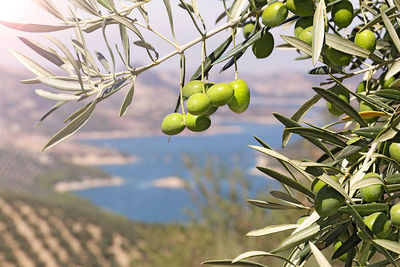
[(373, 119)]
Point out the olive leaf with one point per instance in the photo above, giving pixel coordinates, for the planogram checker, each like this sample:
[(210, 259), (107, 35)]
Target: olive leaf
[(346, 46), (287, 181), (73, 126), (322, 261), (251, 254), (341, 104), (298, 116), (229, 263), (271, 229), (127, 101), (34, 27), (318, 31)]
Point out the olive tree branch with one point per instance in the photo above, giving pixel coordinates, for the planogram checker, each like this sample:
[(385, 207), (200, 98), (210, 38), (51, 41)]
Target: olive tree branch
[(188, 45)]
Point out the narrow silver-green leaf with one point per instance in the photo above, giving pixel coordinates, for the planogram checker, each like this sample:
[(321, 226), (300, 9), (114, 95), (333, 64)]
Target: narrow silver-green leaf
[(83, 50), (269, 205), (299, 44), (229, 263), (368, 132), (83, 5), (237, 8), (271, 229), (359, 221), (52, 109), (127, 101), (388, 244), (31, 65), (391, 30), (103, 61), (147, 46), (341, 104), (170, 17), (34, 27), (64, 85), (287, 181), (314, 217), (195, 8), (322, 261), (282, 158), (69, 56), (105, 4), (271, 153), (56, 97), (367, 182), (49, 6), (298, 116), (346, 46), (383, 245), (142, 9), (318, 31), (251, 254), (329, 181), (316, 133), (390, 131), (72, 127), (44, 52), (289, 123), (125, 43), (94, 5), (299, 237), (393, 70), (285, 197)]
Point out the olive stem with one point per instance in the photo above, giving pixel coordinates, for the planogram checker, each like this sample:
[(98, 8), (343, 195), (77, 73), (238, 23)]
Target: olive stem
[(182, 77), (234, 57), (203, 48)]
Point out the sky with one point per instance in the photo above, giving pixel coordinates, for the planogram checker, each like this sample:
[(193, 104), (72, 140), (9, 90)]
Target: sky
[(27, 12)]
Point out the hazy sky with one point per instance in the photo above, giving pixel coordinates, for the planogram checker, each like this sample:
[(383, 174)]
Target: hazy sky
[(26, 11)]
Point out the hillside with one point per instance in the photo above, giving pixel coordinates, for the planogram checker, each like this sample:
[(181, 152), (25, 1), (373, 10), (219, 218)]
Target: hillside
[(40, 227)]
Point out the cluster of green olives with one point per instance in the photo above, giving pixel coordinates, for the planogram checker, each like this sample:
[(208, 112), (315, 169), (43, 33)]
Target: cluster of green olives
[(342, 16), (275, 14), (203, 100), (383, 224)]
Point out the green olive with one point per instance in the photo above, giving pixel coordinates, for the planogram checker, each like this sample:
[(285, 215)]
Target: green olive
[(172, 124), (275, 14), (264, 46), (220, 94), (198, 104), (328, 201), (191, 88), (197, 123), (241, 97)]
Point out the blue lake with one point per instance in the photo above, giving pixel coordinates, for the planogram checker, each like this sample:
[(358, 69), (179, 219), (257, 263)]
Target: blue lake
[(139, 200)]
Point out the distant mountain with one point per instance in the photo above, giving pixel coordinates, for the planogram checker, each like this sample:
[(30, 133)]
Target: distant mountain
[(156, 94)]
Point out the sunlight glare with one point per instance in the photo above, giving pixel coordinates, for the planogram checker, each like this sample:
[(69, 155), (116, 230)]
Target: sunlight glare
[(17, 10)]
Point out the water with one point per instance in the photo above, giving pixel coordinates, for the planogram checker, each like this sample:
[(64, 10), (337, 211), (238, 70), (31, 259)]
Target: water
[(139, 200)]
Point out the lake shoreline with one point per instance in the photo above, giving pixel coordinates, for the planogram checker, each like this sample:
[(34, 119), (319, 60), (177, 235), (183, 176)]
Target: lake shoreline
[(87, 183)]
